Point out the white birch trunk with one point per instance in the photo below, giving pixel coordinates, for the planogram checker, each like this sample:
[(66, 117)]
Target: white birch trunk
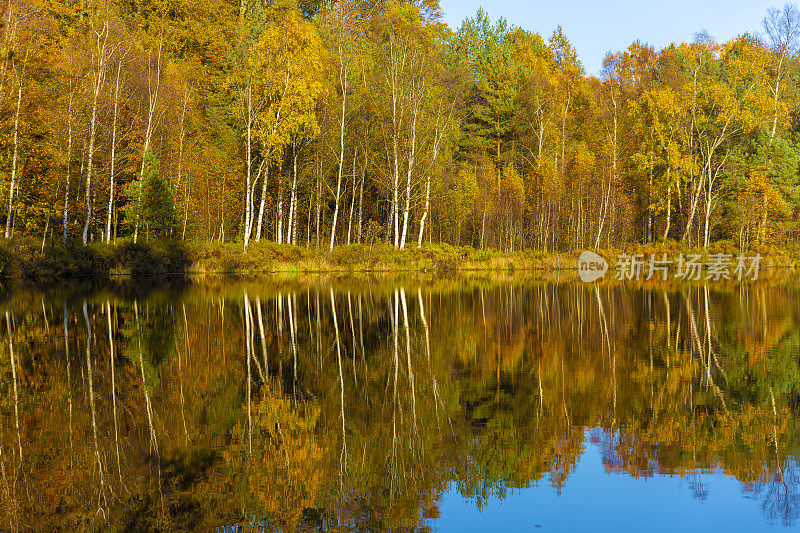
[(280, 211), (437, 139), (263, 200), (101, 39), (411, 161), (113, 156), (352, 200), (343, 84), (14, 159), (248, 192), (290, 229)]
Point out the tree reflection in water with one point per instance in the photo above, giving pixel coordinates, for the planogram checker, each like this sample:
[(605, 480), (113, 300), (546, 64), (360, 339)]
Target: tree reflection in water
[(358, 404)]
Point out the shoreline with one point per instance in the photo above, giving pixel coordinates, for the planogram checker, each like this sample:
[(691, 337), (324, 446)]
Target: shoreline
[(22, 259)]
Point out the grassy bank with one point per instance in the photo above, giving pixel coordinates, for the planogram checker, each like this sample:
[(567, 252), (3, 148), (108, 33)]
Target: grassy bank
[(24, 259), (274, 258)]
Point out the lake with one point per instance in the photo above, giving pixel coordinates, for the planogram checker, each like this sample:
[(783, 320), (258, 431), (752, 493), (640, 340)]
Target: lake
[(425, 405)]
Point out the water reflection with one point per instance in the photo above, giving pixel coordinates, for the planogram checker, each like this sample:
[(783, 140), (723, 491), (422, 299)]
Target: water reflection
[(359, 406)]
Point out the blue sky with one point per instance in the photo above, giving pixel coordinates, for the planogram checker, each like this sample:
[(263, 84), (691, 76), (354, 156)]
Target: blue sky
[(597, 26)]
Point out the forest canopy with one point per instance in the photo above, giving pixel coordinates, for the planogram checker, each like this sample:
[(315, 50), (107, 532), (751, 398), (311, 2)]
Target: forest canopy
[(323, 123)]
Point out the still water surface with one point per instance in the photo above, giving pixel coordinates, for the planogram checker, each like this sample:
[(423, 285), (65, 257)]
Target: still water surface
[(356, 405)]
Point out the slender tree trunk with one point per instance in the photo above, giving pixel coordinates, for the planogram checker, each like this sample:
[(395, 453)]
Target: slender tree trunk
[(113, 155), (319, 203), (693, 207), (438, 135), (101, 40), (290, 227), (607, 193), (698, 186), (92, 137), (262, 201), (308, 219), (352, 200), (394, 220), (69, 161), (649, 203), (669, 205), (361, 201), (411, 162), (248, 192), (14, 157), (47, 220), (343, 83), (425, 211), (776, 96), (483, 229), (709, 204), (8, 37), (280, 210)]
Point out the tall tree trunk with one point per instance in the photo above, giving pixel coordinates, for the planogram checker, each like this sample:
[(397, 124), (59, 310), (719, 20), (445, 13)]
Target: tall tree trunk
[(361, 201), (606, 200), (352, 199), (248, 203), (437, 139), (262, 201), (698, 186), (101, 39), (69, 161), (319, 203), (411, 162), (669, 205), (14, 157), (650, 202), (709, 205), (113, 155), (397, 121), (343, 84), (290, 227), (776, 96), (280, 210), (8, 38)]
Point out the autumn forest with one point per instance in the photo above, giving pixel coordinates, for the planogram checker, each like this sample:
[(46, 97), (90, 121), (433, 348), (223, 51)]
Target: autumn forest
[(328, 123)]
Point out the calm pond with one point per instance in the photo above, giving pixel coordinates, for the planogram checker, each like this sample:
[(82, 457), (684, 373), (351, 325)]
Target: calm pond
[(373, 405)]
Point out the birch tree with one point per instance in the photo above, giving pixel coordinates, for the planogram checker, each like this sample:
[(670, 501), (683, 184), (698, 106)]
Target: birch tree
[(289, 60), (100, 56)]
